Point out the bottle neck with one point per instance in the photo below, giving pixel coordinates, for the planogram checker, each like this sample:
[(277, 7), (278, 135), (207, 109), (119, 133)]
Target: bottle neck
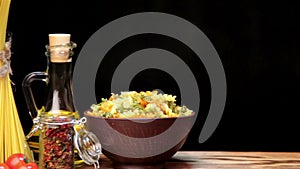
[(60, 95)]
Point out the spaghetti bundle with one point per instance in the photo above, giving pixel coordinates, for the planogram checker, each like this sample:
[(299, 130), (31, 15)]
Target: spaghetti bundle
[(12, 138)]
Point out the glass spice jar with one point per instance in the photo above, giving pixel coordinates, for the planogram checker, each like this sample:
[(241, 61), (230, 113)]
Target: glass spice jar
[(57, 143)]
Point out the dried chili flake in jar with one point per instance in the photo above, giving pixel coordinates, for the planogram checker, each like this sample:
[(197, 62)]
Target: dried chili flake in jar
[(58, 145)]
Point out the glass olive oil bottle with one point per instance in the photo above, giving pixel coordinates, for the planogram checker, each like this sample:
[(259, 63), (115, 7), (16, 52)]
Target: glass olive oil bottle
[(52, 135)]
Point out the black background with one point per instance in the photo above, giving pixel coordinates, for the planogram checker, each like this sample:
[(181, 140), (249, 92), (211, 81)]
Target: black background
[(256, 41)]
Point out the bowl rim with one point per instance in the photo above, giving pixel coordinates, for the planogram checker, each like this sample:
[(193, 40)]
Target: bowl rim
[(136, 119)]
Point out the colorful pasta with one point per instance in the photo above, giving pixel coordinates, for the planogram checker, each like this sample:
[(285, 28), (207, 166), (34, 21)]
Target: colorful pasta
[(131, 104)]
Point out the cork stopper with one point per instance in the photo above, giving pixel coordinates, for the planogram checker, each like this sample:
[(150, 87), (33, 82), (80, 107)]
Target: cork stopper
[(59, 39), (59, 53)]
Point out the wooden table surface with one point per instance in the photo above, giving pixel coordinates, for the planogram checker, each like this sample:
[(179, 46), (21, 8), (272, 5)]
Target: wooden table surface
[(226, 160)]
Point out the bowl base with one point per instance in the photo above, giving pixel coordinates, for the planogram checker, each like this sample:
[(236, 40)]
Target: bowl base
[(138, 166)]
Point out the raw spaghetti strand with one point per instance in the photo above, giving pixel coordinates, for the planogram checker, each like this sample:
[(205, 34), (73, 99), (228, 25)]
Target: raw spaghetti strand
[(12, 138)]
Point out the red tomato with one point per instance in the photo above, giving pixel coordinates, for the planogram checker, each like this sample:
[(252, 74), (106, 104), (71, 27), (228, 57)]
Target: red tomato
[(30, 165), (14, 160), (3, 166)]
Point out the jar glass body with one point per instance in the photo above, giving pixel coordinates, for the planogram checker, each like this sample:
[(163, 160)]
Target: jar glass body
[(56, 143)]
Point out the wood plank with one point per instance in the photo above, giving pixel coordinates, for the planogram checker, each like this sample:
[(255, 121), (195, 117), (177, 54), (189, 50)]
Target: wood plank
[(225, 160)]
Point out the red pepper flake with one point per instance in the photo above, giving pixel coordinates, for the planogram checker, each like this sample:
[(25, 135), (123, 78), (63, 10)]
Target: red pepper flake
[(58, 144)]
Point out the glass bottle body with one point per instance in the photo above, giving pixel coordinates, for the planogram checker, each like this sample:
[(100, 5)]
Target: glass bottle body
[(57, 114), (58, 136), (59, 100)]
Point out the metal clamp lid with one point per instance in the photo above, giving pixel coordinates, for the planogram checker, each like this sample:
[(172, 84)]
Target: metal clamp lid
[(87, 144)]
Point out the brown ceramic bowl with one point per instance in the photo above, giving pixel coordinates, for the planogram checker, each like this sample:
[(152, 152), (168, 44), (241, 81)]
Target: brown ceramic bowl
[(140, 142)]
